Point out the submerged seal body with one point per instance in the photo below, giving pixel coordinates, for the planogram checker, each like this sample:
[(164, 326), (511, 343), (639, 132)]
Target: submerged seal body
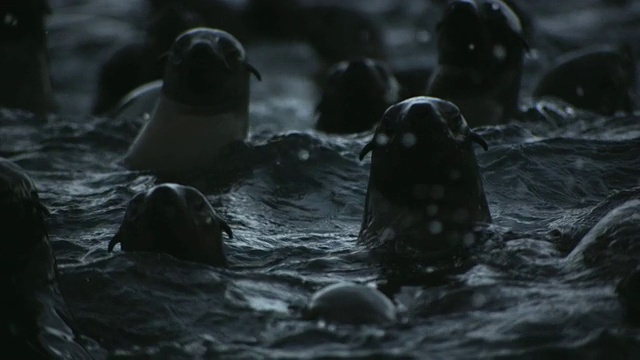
[(24, 59), (203, 104), (35, 321), (355, 96), (425, 190), (349, 303), (601, 79), (176, 220), (480, 60)]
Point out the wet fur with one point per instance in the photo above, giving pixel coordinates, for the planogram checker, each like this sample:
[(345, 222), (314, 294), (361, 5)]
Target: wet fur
[(35, 321), (414, 191), (24, 59), (203, 106), (483, 85), (176, 220)]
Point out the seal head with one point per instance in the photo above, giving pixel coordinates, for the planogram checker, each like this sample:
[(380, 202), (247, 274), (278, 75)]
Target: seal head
[(480, 58), (356, 95), (353, 304), (176, 220), (207, 68), (34, 320), (203, 104), (425, 190), (601, 79), (24, 58)]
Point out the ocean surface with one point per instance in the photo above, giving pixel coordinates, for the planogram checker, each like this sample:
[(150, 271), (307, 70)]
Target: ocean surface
[(563, 186)]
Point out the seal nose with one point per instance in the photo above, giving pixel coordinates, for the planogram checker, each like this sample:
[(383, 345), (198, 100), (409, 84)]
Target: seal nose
[(357, 69), (202, 53), (164, 201), (420, 116), (466, 6)]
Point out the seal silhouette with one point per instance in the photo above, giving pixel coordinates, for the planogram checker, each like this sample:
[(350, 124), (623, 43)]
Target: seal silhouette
[(350, 303), (425, 189), (203, 104), (35, 320), (480, 59), (355, 96), (176, 220), (24, 58), (601, 79), (138, 63)]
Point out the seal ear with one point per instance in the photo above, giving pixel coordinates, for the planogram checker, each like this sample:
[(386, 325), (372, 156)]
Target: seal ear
[(479, 140), (115, 240), (366, 149), (254, 71), (225, 227)]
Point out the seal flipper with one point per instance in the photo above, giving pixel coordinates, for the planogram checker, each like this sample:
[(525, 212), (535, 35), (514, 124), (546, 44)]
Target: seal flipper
[(479, 140), (115, 240), (254, 71), (225, 227), (366, 149)]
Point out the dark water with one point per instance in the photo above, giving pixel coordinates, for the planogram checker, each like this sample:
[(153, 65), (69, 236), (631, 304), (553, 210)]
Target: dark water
[(294, 199)]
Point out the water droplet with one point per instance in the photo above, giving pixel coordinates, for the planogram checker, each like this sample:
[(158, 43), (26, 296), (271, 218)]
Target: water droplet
[(303, 155), (382, 139), (472, 46), (580, 91), (388, 234), (500, 52), (495, 6), (409, 140), (10, 20), (468, 239), (435, 227), (423, 36), (478, 300)]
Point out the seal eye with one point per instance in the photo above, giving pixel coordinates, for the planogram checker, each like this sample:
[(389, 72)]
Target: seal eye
[(180, 44), (230, 48), (10, 20)]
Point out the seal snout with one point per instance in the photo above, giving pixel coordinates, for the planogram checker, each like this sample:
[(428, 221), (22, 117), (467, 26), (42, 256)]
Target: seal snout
[(176, 220), (166, 202), (463, 6), (202, 53)]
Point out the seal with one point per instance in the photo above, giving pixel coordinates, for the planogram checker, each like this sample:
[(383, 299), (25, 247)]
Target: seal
[(176, 220), (480, 60), (35, 321), (24, 58), (141, 62), (203, 104), (425, 191), (601, 79), (339, 33), (355, 96), (350, 303)]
